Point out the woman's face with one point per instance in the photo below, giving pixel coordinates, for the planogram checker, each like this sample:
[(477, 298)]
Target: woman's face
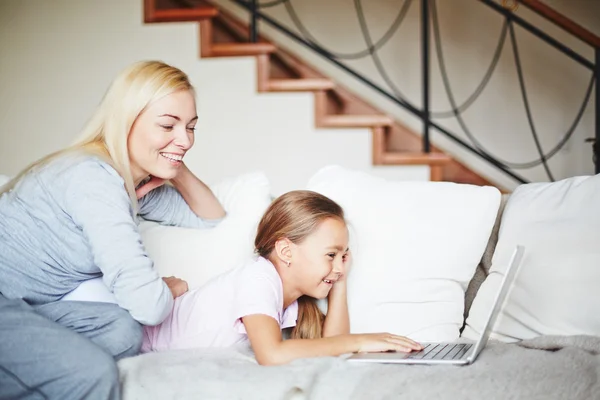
[(319, 260), (161, 136)]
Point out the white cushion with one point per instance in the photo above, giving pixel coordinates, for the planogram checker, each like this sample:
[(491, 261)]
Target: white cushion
[(415, 248), (556, 289), (197, 255)]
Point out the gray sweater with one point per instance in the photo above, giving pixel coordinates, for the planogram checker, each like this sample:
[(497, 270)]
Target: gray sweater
[(72, 220)]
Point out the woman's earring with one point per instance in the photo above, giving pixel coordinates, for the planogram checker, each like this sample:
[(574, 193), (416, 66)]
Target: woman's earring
[(288, 264)]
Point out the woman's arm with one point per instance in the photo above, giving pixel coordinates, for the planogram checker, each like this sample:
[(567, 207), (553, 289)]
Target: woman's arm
[(337, 321), (96, 201), (197, 195), (187, 203), (265, 337)]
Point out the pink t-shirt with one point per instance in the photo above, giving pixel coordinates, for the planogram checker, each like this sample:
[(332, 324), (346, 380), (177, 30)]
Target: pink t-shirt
[(210, 316)]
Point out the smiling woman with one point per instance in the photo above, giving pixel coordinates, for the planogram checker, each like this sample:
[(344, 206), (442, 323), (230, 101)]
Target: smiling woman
[(71, 217), (161, 136)]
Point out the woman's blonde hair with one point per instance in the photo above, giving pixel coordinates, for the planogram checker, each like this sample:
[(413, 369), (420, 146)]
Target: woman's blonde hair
[(295, 215), (107, 131)]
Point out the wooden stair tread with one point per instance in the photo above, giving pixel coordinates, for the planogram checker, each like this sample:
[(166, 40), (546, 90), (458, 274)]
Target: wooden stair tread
[(240, 49), (355, 121), (183, 14), (299, 85), (440, 164), (409, 158)]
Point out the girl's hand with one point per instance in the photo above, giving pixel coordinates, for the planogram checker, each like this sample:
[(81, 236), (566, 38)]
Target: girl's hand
[(347, 262), (177, 286), (380, 342), (152, 184)]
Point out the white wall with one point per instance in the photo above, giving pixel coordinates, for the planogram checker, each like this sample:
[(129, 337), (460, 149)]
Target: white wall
[(57, 59), (470, 31)]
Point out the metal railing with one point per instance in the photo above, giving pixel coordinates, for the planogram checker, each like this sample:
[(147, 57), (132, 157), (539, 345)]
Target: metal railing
[(429, 20)]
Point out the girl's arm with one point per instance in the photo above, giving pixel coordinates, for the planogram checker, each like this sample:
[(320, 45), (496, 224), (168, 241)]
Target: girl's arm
[(337, 321), (269, 348)]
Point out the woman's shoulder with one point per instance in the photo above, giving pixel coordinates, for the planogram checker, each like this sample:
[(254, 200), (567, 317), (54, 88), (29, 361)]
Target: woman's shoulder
[(77, 172), (67, 172), (82, 165)]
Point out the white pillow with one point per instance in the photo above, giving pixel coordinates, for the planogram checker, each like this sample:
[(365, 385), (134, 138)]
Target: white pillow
[(415, 248), (556, 289), (197, 255)]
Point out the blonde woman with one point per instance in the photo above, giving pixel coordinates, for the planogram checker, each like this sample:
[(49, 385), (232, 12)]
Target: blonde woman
[(302, 246), (71, 217)]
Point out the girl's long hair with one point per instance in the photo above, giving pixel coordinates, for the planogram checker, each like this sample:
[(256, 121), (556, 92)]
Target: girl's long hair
[(107, 131), (294, 216)]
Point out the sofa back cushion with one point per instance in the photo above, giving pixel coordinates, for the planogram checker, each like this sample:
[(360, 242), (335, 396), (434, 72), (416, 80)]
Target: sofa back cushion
[(415, 247), (198, 255), (556, 289)]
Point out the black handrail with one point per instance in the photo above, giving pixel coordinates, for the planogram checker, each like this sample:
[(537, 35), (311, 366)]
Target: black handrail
[(539, 33), (253, 21), (425, 113), (425, 41), (596, 145)]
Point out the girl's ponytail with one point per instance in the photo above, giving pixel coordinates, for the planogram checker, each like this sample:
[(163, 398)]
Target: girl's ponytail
[(310, 320)]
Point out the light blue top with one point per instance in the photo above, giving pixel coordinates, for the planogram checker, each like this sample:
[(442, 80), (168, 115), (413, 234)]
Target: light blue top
[(72, 220)]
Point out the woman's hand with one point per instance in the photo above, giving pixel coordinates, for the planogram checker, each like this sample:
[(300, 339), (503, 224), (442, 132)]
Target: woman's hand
[(152, 184), (197, 195), (177, 286), (380, 342)]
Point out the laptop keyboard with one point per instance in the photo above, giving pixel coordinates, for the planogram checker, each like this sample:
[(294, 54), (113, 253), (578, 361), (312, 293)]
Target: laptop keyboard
[(442, 351)]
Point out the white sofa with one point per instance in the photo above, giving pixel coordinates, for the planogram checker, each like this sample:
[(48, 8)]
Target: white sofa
[(427, 260), (426, 255)]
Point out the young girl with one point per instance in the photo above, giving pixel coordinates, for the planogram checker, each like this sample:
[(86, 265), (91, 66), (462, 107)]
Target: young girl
[(302, 246)]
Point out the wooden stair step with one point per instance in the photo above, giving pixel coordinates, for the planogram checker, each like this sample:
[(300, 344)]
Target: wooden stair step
[(406, 158), (355, 121), (299, 85), (183, 14), (240, 49)]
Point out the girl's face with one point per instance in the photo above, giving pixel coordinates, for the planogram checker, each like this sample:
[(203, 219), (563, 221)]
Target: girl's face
[(161, 136), (318, 261)]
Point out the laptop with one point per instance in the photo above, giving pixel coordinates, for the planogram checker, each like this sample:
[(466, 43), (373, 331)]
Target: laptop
[(452, 353)]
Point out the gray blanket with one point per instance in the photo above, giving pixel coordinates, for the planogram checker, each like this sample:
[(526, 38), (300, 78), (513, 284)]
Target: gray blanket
[(549, 367)]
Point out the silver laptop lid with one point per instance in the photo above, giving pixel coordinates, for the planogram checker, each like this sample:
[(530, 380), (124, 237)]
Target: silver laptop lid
[(509, 276)]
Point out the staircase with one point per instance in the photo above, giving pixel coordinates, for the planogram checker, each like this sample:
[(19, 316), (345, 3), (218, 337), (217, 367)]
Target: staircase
[(222, 35)]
